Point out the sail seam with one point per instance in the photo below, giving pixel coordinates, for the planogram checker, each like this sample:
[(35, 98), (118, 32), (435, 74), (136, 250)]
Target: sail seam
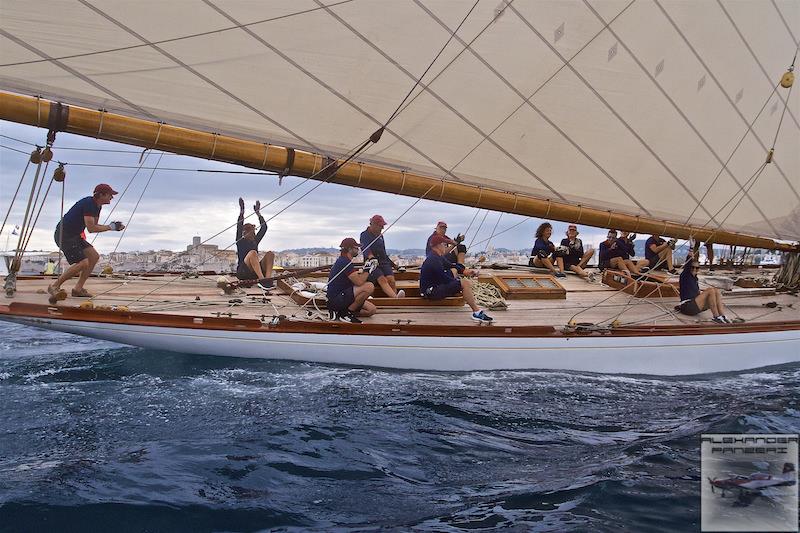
[(724, 92), (608, 106)]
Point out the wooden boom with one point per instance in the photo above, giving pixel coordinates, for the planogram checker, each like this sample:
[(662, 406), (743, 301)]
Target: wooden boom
[(252, 154)]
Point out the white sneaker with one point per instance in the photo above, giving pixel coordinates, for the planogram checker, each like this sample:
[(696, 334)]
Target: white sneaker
[(401, 293)]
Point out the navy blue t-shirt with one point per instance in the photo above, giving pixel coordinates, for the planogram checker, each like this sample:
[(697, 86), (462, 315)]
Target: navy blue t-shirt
[(689, 286), (378, 248), (542, 248), (575, 251), (73, 223), (342, 281), (626, 248), (607, 252), (435, 271), (243, 246), (648, 253)]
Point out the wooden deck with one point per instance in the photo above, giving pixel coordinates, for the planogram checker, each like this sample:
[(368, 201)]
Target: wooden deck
[(585, 303)]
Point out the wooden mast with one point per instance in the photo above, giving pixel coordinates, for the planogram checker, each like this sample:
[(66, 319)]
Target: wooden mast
[(251, 154)]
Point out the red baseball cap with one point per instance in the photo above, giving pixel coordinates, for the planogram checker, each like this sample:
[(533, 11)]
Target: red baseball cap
[(349, 242), (377, 219), (441, 223), (104, 188), (439, 239)]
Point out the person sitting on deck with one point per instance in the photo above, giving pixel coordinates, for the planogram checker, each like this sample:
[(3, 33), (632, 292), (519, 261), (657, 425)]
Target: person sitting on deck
[(658, 254), (436, 279), (348, 288), (81, 255), (544, 253), (247, 240), (374, 247), (576, 260), (456, 251), (615, 254), (693, 300)]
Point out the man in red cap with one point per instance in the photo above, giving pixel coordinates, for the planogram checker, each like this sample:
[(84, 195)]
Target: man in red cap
[(348, 288), (436, 279), (81, 255), (373, 246), (456, 252)]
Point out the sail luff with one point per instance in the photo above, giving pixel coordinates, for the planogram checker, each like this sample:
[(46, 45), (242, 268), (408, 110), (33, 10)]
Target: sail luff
[(149, 134)]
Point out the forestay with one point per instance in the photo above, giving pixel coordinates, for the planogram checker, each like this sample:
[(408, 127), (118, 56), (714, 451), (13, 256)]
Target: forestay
[(629, 106)]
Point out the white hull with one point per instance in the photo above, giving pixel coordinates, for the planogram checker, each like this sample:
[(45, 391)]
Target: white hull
[(654, 355)]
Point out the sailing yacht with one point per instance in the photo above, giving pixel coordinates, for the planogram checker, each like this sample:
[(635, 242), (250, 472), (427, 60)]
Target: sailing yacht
[(656, 117)]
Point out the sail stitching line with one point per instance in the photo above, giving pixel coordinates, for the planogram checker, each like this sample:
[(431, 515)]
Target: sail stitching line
[(606, 104), (683, 115), (724, 92), (203, 77), (329, 88), (527, 101), (75, 73), (426, 87), (755, 57), (174, 39)]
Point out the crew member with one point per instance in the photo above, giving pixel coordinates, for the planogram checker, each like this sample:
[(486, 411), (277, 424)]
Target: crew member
[(436, 279), (456, 251), (575, 259), (614, 254), (693, 300), (247, 240), (81, 256), (658, 254), (374, 247), (544, 253), (348, 288)]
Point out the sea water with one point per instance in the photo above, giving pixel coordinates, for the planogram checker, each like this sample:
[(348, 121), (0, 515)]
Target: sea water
[(101, 437)]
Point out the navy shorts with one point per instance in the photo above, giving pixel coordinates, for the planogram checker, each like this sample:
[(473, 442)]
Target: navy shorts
[(243, 271), (690, 307), (73, 247), (383, 269), (440, 292), (341, 301)]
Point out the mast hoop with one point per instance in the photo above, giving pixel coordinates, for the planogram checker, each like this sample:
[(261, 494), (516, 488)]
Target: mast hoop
[(100, 127), (549, 205), (214, 146), (266, 153), (158, 134)]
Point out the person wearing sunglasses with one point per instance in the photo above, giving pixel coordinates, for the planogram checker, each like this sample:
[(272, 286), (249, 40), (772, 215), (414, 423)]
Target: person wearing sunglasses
[(693, 300)]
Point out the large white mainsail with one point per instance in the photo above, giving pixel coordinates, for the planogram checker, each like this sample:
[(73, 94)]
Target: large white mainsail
[(632, 106)]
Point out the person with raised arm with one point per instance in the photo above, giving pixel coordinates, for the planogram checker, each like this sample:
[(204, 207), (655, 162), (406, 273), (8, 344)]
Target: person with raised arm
[(247, 241)]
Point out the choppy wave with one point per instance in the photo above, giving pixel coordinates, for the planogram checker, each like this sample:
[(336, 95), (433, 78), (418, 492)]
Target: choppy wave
[(95, 435)]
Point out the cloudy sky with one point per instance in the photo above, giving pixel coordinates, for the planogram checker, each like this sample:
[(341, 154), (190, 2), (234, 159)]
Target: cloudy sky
[(178, 204)]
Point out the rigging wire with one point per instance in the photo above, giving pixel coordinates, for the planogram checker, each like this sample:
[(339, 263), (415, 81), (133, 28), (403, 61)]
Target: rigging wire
[(125, 190), (14, 198), (135, 207), (419, 80), (176, 39)]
